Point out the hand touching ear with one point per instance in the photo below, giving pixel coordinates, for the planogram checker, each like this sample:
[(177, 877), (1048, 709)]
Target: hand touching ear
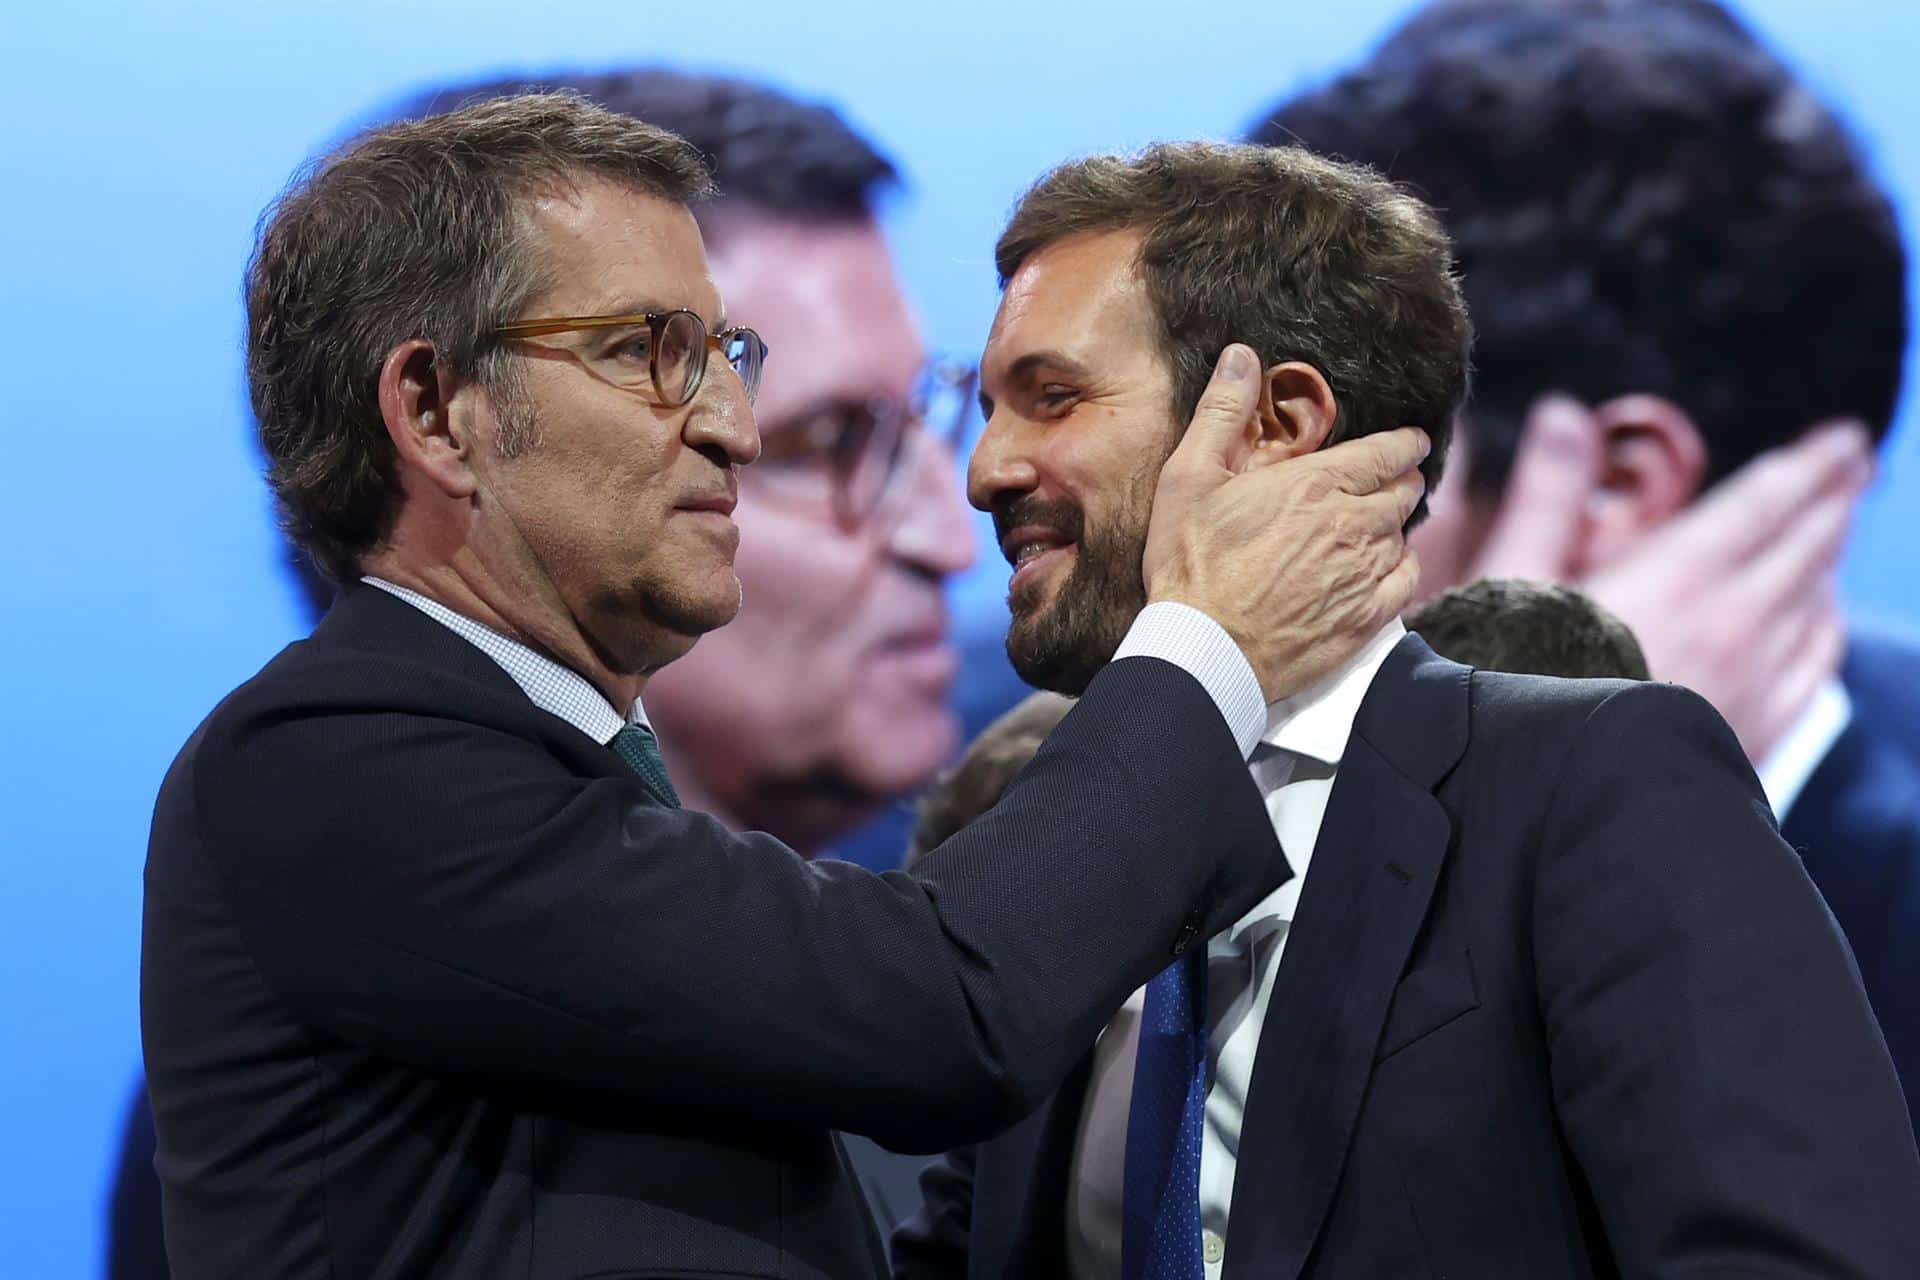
[(1731, 595), (1301, 559)]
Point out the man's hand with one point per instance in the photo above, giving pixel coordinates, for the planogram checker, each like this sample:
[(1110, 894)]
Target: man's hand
[(1734, 596), (1301, 560)]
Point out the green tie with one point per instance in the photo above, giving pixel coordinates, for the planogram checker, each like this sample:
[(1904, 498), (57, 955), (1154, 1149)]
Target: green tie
[(641, 750)]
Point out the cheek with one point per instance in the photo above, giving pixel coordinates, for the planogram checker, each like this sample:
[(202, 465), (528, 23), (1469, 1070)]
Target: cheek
[(801, 574)]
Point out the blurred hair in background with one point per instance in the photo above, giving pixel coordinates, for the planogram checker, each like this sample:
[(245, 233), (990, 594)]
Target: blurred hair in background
[(1531, 628), (1688, 289)]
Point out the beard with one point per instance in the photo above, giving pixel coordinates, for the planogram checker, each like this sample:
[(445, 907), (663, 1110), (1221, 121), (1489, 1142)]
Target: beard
[(1062, 643)]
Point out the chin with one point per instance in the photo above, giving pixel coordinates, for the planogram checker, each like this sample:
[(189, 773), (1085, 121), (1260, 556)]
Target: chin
[(699, 607), (904, 757)]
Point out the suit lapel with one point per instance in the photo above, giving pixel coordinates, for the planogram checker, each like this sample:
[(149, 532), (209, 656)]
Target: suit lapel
[(1381, 847)]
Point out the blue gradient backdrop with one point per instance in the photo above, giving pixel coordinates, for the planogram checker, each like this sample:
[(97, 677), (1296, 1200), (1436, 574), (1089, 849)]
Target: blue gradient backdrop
[(140, 566)]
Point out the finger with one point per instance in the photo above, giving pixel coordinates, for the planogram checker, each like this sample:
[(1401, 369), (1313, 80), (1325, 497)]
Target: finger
[(1800, 558), (1387, 510), (1556, 470), (1365, 464), (1218, 431), (1741, 516), (1395, 589)]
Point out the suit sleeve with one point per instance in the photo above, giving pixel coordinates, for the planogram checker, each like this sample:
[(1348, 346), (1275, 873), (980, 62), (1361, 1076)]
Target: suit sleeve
[(1717, 1070), (933, 1243), (449, 894)]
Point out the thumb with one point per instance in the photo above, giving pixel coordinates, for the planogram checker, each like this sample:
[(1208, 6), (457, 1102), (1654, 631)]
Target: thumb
[(1216, 439), (1537, 531)]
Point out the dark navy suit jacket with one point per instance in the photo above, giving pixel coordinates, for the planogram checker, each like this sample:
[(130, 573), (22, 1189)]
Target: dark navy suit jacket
[(1857, 825), (1557, 1002), (431, 985)]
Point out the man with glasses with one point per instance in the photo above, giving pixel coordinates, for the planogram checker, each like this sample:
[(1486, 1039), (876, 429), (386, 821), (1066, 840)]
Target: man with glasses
[(825, 697), (438, 974)]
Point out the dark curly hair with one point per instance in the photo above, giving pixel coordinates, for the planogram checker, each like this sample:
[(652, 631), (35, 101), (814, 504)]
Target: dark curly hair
[(789, 157), (1642, 198)]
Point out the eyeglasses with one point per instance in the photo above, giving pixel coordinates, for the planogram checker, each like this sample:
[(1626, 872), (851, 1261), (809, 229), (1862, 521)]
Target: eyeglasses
[(666, 351), (852, 454)]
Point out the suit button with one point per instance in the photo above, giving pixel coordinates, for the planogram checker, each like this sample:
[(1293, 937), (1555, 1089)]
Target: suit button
[(1212, 1248), (1188, 932)]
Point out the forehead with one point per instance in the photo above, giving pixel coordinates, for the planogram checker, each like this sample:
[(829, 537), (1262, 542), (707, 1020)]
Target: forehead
[(825, 296), (610, 249), (1083, 296)]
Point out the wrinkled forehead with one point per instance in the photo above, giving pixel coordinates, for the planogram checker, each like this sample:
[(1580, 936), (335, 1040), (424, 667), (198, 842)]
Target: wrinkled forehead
[(1083, 296), (604, 249)]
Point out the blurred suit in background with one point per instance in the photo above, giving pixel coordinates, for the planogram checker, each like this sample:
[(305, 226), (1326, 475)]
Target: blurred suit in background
[(826, 697), (1689, 293)]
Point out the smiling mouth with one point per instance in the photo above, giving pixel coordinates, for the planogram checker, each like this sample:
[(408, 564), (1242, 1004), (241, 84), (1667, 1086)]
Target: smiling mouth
[(1026, 543), (1031, 559)]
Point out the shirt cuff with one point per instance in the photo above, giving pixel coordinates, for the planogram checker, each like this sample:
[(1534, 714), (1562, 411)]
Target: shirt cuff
[(1190, 640)]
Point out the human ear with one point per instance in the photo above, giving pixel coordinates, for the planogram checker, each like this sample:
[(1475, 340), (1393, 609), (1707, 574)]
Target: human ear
[(1296, 413), (416, 393), (1653, 464)]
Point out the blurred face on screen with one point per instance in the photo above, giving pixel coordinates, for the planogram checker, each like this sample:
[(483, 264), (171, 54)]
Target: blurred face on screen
[(828, 694), (1080, 419)]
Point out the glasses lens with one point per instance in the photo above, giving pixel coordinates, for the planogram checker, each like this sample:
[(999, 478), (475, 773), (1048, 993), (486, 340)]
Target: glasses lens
[(680, 357), (746, 353), (868, 454), (943, 399)]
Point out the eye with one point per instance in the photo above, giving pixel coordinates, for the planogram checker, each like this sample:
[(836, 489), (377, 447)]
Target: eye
[(811, 441), (631, 345), (1054, 396)]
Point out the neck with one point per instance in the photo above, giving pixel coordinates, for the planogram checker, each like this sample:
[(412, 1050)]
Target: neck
[(537, 619)]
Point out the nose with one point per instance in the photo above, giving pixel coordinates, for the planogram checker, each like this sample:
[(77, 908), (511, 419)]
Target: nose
[(720, 418), (1001, 463), (933, 532)]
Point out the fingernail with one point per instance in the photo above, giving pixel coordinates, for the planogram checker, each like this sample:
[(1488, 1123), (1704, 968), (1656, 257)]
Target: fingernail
[(1426, 444), (1236, 361)]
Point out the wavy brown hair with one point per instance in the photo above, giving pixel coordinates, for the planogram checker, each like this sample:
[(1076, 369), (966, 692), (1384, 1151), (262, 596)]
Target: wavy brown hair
[(414, 230), (1298, 256)]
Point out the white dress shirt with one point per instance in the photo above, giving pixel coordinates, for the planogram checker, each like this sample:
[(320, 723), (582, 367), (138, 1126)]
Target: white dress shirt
[(1304, 738), (551, 687), (1784, 773)]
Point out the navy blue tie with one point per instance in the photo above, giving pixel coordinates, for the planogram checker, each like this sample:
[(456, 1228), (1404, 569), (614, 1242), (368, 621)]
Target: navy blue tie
[(1160, 1201)]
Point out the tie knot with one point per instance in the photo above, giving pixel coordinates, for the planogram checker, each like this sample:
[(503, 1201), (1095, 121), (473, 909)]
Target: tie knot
[(636, 745)]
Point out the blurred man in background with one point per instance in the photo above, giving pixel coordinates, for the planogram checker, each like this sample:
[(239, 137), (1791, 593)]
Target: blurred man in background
[(1528, 628), (826, 697), (1689, 295)]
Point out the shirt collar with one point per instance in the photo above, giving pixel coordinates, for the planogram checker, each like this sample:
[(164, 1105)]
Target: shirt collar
[(1789, 766), (1317, 721), (555, 689)]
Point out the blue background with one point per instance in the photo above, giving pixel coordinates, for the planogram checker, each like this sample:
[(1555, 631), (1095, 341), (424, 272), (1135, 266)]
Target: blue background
[(142, 574)]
